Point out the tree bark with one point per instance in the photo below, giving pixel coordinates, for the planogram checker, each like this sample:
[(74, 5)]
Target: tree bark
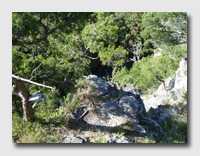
[(26, 104), (113, 74)]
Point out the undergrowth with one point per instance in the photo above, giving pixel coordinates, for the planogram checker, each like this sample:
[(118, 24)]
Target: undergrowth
[(49, 119), (175, 127)]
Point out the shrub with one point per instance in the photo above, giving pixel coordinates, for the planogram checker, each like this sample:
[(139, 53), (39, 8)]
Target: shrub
[(143, 74)]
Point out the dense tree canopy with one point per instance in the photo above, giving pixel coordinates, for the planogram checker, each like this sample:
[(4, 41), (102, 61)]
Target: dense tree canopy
[(56, 49), (52, 52), (165, 28)]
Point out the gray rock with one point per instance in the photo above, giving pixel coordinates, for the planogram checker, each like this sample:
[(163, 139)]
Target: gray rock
[(99, 84), (140, 129), (131, 90), (161, 113), (72, 139), (161, 99), (117, 139), (163, 104), (112, 92), (181, 79), (113, 113), (171, 84), (108, 114), (150, 103)]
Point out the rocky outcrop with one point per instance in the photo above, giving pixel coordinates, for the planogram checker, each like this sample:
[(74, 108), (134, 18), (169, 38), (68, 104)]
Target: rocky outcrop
[(118, 108), (121, 106), (163, 103), (181, 79), (102, 88), (121, 109)]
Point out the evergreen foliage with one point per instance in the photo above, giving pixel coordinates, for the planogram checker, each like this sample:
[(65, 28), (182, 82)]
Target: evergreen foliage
[(165, 29), (58, 48), (143, 74)]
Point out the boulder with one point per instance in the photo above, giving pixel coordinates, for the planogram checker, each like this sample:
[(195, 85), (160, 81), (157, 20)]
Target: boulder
[(131, 90), (114, 112), (162, 112), (108, 114), (99, 84)]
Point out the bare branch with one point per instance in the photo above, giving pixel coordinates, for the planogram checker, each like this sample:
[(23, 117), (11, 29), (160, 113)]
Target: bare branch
[(37, 102), (91, 57), (161, 81), (40, 21), (71, 51), (38, 84), (34, 71), (14, 93)]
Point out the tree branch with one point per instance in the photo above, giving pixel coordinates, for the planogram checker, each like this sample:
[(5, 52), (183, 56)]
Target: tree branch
[(91, 57), (38, 84), (40, 21), (161, 81), (34, 70)]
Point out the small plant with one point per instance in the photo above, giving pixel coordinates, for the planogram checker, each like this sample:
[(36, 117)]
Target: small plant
[(148, 140), (174, 97), (112, 98), (154, 95), (184, 96), (118, 130), (100, 138), (148, 114)]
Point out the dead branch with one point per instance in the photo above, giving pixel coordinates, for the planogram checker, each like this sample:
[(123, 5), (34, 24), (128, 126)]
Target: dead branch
[(34, 71), (38, 84), (161, 81)]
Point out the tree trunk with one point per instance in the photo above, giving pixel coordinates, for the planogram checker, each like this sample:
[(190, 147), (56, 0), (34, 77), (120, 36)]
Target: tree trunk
[(113, 74), (26, 104)]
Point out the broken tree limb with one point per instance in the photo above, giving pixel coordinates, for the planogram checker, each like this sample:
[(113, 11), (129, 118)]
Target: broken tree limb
[(43, 98), (35, 96), (14, 93), (38, 84)]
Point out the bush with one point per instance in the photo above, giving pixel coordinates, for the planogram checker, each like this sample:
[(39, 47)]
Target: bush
[(143, 74)]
